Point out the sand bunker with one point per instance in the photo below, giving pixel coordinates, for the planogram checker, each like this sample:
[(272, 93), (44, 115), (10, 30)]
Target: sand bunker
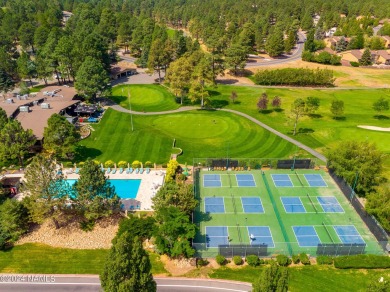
[(375, 128)]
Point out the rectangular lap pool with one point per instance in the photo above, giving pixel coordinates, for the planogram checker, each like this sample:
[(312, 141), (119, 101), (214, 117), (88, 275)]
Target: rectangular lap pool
[(125, 188)]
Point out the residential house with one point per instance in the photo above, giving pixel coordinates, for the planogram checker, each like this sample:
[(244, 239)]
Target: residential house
[(387, 41), (332, 41), (330, 32), (355, 56), (382, 57)]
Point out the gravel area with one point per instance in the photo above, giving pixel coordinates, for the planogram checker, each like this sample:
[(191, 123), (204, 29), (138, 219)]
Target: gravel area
[(73, 237)]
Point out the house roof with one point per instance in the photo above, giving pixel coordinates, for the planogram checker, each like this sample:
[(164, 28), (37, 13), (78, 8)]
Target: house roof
[(328, 50), (121, 67), (384, 54), (356, 53), (386, 37)]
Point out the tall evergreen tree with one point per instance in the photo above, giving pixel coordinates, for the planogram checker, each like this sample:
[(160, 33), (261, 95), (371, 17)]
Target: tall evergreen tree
[(366, 58), (275, 43), (6, 82), (127, 267)]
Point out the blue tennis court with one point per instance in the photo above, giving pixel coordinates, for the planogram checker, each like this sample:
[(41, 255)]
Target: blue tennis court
[(306, 236), (260, 235), (216, 235), (245, 180), (330, 204), (252, 205), (348, 234), (293, 205), (315, 180), (212, 180), (282, 180), (214, 205)]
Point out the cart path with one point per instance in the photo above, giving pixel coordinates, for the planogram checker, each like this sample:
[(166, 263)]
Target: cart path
[(191, 108)]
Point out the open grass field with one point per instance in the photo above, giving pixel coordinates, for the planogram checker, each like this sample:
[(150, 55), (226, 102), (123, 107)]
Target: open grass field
[(310, 278), (319, 131), (42, 259), (198, 133), (144, 97), (285, 202)]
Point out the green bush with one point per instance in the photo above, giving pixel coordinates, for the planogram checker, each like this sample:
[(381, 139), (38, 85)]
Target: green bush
[(122, 164), (295, 259), (96, 161), (362, 261), (324, 260), (87, 225), (283, 260), (253, 260), (164, 165), (220, 259), (109, 163), (304, 259), (81, 164), (136, 164), (354, 64), (202, 262), (237, 260), (148, 164)]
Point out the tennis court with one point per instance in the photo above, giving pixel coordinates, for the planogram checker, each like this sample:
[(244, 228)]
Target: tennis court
[(315, 180), (293, 205), (252, 205), (245, 180), (216, 235), (260, 235), (214, 205), (330, 204), (306, 236), (282, 180), (348, 234), (212, 180)]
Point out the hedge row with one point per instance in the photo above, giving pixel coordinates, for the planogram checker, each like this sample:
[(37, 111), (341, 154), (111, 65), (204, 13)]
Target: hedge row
[(362, 261), (295, 77)]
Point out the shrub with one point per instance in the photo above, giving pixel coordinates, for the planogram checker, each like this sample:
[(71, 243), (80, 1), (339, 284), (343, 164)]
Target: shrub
[(283, 260), (81, 164), (148, 164), (220, 259), (122, 164), (237, 260), (136, 164), (164, 165), (202, 262), (96, 161), (324, 260), (354, 64), (362, 261), (109, 163), (295, 259), (261, 262), (87, 225), (304, 259), (181, 177), (253, 260)]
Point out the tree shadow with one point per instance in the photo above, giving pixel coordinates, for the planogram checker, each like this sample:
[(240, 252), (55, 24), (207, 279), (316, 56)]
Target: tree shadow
[(227, 81), (203, 216), (218, 103), (83, 153), (279, 110), (339, 118), (213, 93), (381, 117), (305, 131), (236, 102), (315, 116), (266, 112)]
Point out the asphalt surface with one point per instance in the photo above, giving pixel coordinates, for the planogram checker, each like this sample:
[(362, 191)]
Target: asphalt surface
[(285, 58), (69, 283)]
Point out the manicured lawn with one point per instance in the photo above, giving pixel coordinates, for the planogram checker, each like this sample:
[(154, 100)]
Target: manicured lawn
[(42, 259), (37, 88), (198, 133), (149, 98), (320, 132), (310, 278)]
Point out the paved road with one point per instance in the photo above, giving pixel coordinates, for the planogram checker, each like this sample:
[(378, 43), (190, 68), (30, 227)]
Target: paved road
[(91, 283), (285, 58), (190, 108)]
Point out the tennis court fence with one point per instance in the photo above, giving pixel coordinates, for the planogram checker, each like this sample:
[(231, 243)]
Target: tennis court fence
[(376, 229)]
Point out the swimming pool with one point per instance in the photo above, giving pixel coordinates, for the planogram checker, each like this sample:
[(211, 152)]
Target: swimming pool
[(125, 188)]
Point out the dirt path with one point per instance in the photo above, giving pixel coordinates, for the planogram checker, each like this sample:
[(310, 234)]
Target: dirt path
[(373, 128)]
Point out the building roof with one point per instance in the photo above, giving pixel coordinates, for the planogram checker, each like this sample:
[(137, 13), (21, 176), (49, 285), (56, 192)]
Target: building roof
[(386, 37), (356, 53), (121, 67), (384, 54), (36, 118), (328, 50)]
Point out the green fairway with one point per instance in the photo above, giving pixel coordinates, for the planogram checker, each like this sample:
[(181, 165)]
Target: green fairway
[(284, 220), (148, 97), (320, 131), (198, 133)]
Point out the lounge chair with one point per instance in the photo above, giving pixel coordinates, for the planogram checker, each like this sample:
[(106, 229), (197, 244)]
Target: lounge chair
[(103, 170), (77, 170), (138, 207), (136, 170), (131, 207), (108, 170), (113, 171), (147, 170), (121, 170), (131, 170), (141, 171), (127, 170)]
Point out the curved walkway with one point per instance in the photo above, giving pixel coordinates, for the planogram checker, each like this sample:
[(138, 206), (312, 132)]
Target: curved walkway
[(190, 108)]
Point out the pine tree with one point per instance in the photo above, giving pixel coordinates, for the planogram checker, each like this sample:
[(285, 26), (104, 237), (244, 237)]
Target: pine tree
[(127, 267), (275, 43), (366, 59)]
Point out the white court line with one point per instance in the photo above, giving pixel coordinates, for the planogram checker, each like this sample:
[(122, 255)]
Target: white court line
[(203, 287), (44, 283)]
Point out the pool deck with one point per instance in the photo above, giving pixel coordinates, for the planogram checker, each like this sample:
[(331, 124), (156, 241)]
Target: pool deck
[(150, 184)]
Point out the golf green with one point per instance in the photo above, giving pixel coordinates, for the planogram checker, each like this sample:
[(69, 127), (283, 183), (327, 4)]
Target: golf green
[(197, 133), (148, 97)]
